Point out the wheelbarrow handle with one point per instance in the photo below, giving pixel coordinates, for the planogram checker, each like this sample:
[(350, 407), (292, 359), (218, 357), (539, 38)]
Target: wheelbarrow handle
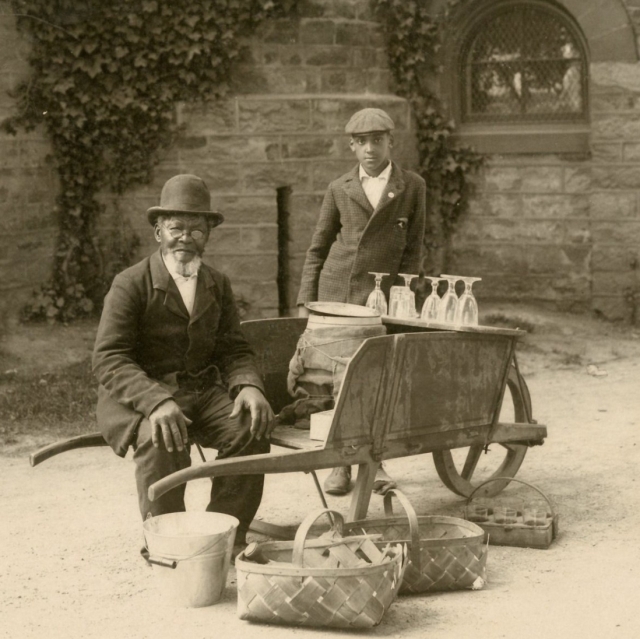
[(82, 441)]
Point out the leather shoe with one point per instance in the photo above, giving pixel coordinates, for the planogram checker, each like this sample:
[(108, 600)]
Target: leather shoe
[(339, 481)]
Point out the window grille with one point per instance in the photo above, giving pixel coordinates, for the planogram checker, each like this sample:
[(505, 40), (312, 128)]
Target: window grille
[(523, 63)]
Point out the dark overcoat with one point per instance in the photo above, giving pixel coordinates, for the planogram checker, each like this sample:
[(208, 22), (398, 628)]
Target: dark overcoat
[(351, 238), (146, 336)]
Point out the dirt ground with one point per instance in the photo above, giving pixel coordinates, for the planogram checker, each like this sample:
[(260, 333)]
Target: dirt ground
[(71, 530)]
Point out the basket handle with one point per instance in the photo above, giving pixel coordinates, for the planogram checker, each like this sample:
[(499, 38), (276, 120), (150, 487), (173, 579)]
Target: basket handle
[(337, 526), (414, 526), (519, 481)]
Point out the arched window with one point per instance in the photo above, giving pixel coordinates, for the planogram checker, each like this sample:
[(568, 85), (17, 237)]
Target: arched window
[(522, 64)]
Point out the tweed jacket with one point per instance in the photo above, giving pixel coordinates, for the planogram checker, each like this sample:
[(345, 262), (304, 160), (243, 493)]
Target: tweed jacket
[(351, 238), (146, 338)]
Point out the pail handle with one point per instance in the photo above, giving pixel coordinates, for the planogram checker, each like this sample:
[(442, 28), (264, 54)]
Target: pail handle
[(172, 563)]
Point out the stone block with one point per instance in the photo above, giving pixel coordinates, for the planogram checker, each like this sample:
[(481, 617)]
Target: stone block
[(615, 127), (614, 308), (313, 146), (322, 173), (314, 8), (347, 9), (554, 206), (293, 80), (611, 99), (342, 81), (260, 238), (365, 57), (267, 177), (218, 177), (501, 178), (606, 152), (542, 179), (33, 217), (305, 209), (622, 232), (615, 177), (330, 56), (352, 34), (226, 239), (577, 179), (249, 79), (259, 295), (511, 230), (250, 209), (379, 81), (233, 148), (363, 9), (497, 205), (209, 118), (279, 32), (301, 235), (613, 205), (255, 267), (631, 152), (266, 116), (376, 36), (617, 259), (317, 32), (608, 283)]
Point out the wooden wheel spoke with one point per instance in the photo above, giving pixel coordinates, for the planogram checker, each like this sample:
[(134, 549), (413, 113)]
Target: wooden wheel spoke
[(471, 462)]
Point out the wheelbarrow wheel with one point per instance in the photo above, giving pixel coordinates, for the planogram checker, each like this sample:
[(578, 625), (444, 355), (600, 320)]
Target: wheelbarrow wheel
[(464, 481)]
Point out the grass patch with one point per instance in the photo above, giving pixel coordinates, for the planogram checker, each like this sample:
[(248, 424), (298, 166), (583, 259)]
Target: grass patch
[(47, 406)]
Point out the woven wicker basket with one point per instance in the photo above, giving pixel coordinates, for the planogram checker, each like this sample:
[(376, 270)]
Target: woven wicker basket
[(330, 581), (445, 553)]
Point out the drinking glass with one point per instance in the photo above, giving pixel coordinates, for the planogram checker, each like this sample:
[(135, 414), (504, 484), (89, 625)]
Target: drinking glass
[(407, 306), (431, 306), (377, 300), (395, 296), (449, 301), (467, 311)]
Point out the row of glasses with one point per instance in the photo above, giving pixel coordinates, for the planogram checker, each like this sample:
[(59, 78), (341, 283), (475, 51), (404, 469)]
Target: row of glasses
[(450, 309)]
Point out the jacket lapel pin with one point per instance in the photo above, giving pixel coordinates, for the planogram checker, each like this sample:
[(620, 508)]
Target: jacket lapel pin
[(392, 194), (401, 223)]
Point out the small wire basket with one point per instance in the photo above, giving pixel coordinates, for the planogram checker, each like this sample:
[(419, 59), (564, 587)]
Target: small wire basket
[(527, 525), (331, 581), (444, 553)]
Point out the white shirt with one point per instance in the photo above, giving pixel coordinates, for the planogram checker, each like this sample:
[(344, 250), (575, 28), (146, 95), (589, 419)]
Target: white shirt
[(374, 186), (186, 285)]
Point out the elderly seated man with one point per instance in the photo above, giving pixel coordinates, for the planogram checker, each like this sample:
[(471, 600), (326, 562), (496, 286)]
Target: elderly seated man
[(173, 365)]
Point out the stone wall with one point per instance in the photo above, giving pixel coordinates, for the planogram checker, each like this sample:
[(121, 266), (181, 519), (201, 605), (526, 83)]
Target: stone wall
[(560, 229), (27, 186), (294, 90)]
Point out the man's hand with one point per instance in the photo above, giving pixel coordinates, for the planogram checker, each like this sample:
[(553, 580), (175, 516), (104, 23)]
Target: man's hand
[(251, 398), (303, 311), (168, 421)]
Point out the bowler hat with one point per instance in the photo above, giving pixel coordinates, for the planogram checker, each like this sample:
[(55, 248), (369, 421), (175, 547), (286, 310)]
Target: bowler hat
[(185, 195), (369, 120)]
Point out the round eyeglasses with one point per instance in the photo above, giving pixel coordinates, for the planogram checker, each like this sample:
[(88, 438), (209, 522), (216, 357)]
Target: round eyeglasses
[(176, 233)]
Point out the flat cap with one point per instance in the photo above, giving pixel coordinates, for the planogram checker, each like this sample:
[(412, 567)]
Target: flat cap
[(368, 120)]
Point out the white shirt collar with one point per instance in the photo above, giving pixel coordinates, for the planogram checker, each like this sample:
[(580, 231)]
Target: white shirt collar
[(384, 175)]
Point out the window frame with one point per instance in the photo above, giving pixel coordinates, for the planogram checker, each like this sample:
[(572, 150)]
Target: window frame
[(564, 135)]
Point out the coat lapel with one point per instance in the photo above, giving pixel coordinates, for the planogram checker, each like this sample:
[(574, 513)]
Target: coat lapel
[(395, 186), (162, 280), (205, 294), (353, 188)]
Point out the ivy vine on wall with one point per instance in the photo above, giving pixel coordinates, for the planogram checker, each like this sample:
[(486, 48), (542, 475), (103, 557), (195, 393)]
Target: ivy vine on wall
[(414, 37), (106, 77)]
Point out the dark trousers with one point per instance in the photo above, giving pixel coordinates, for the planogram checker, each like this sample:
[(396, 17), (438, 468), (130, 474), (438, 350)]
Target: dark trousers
[(211, 428)]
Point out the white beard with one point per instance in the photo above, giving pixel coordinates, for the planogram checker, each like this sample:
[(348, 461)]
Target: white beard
[(185, 269)]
